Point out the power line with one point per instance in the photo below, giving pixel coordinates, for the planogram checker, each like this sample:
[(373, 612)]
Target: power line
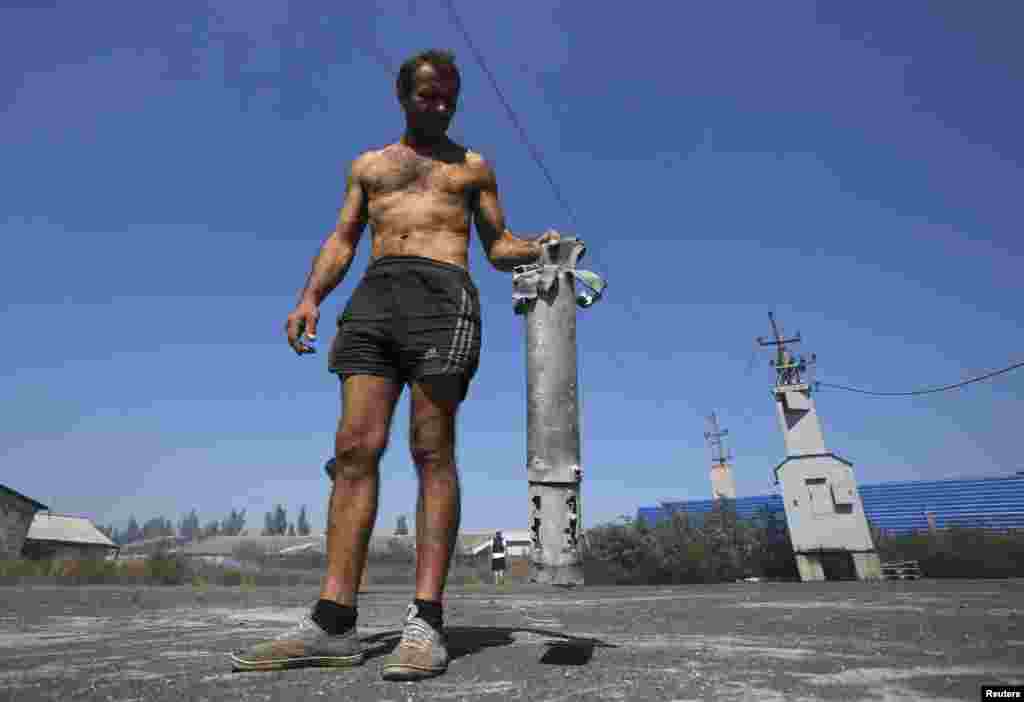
[(925, 392), (534, 151)]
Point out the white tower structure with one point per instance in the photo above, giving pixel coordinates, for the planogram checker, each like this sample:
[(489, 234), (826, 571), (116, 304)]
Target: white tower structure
[(722, 483), (824, 512)]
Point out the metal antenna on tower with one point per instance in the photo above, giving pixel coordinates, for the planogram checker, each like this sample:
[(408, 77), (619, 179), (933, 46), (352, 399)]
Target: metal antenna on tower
[(722, 483), (714, 439), (788, 366)]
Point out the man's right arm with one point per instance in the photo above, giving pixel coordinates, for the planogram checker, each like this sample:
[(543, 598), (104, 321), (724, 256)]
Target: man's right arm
[(331, 263), (335, 256)]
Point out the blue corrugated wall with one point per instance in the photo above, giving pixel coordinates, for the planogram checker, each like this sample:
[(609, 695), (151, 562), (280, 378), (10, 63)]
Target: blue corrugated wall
[(988, 503)]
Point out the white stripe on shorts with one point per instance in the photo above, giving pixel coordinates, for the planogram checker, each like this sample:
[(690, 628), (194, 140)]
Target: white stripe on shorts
[(467, 340), (460, 328)]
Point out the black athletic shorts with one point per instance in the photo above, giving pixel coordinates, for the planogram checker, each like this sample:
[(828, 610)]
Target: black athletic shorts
[(410, 317), (498, 563)]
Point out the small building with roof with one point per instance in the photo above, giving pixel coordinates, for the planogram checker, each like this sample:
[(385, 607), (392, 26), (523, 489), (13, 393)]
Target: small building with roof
[(65, 537), (517, 542), (16, 514), (144, 548), (229, 550)]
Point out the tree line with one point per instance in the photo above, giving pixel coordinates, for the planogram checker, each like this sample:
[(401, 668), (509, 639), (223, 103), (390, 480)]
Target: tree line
[(189, 528), (276, 523), (712, 547), (718, 546)]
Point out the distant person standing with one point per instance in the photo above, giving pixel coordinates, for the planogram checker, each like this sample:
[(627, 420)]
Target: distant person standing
[(498, 558)]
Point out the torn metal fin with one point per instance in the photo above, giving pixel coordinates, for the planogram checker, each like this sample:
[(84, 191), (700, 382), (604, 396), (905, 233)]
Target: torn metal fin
[(534, 279)]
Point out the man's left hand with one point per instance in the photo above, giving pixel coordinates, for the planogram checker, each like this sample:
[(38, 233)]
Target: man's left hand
[(550, 236)]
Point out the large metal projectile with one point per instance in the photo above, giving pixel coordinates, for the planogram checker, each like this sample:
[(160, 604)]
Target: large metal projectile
[(552, 419)]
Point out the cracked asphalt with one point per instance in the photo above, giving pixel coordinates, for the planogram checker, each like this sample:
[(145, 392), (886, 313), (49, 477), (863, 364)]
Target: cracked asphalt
[(928, 640)]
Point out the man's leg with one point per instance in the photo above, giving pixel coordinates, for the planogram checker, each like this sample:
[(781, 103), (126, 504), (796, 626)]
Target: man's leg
[(367, 408), (422, 651), (435, 402), (369, 403)]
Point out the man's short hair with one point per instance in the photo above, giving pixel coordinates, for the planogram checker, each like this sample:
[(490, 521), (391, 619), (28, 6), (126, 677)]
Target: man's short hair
[(438, 58)]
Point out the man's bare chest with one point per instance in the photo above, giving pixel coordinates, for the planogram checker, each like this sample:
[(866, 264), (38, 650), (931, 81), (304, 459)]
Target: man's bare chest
[(406, 171)]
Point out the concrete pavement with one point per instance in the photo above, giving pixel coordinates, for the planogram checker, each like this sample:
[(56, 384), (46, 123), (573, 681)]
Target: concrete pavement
[(934, 640)]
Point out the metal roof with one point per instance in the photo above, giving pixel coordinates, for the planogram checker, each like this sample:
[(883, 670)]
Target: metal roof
[(509, 536), (151, 544), (68, 529), (470, 542), (226, 545), (995, 503), (746, 507), (281, 545), (15, 493)]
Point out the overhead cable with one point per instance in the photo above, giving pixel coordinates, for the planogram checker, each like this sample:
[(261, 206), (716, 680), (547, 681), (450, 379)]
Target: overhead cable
[(944, 388), (534, 151)]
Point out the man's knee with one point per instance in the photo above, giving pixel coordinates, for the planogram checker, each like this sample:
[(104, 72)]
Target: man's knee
[(432, 443), (436, 456), (358, 453), (435, 402)]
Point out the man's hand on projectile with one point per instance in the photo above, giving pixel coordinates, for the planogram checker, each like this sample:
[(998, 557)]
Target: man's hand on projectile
[(549, 237)]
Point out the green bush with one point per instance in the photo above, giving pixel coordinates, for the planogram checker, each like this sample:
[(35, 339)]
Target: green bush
[(12, 571), (163, 568), (718, 547), (91, 572), (709, 548), (22, 568), (957, 552), (85, 571)]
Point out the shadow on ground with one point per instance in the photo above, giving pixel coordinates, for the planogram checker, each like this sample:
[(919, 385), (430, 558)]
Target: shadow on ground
[(563, 649)]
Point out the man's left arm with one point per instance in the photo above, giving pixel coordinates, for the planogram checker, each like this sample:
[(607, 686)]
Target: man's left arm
[(504, 250)]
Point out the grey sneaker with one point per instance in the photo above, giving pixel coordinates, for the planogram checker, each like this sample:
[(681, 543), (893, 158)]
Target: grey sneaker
[(305, 645), (420, 654)]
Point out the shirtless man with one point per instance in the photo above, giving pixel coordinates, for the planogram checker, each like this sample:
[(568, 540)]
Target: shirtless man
[(414, 318)]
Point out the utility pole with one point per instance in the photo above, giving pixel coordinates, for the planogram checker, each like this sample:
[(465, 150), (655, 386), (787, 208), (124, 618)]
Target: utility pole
[(722, 483), (787, 366), (824, 512)]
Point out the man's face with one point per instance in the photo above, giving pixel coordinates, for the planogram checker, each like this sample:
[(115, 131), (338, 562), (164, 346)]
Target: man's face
[(433, 100)]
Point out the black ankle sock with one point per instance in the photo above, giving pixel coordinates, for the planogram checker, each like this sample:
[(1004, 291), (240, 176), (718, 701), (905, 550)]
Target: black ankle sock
[(333, 617), (430, 612)]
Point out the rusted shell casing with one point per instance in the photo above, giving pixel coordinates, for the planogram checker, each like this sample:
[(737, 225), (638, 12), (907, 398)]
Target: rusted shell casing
[(552, 425)]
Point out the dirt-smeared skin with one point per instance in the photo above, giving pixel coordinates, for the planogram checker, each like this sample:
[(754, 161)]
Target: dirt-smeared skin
[(419, 197), (420, 204)]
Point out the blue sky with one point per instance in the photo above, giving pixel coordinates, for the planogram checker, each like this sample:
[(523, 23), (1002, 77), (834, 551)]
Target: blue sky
[(169, 171)]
